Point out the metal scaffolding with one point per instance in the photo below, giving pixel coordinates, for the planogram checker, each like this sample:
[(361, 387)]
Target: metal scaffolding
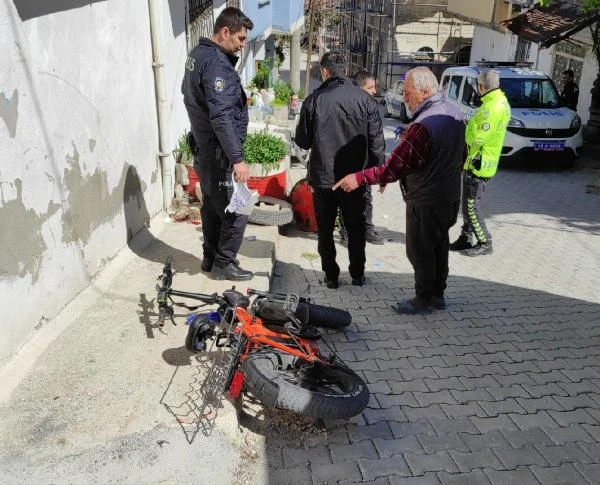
[(367, 32)]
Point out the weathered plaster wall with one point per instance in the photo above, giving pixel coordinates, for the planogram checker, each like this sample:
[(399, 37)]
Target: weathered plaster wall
[(79, 173)]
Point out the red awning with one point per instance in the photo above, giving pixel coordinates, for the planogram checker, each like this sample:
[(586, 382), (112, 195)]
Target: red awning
[(548, 25)]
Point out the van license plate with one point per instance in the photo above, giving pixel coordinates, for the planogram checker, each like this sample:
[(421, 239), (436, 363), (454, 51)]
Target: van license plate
[(548, 146)]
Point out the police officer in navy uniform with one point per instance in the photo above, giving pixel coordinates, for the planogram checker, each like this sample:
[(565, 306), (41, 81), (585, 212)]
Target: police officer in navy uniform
[(216, 106)]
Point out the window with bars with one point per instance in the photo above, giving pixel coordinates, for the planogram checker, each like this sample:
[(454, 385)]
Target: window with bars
[(522, 52), (196, 8), (199, 21), (567, 56)]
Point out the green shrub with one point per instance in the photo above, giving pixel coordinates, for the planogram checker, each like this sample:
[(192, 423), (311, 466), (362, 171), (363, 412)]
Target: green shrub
[(265, 149), (283, 93), (262, 78), (184, 148)]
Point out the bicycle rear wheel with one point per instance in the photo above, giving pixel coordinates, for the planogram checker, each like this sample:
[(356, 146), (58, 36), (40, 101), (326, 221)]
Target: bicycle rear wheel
[(328, 317), (318, 390)]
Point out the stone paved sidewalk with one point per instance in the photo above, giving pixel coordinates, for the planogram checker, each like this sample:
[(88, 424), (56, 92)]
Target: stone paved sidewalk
[(501, 388)]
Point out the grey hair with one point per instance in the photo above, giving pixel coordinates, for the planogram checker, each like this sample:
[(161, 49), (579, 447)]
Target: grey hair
[(489, 79), (423, 79)]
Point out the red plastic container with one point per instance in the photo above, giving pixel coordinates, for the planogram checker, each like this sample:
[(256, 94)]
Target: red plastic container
[(303, 206)]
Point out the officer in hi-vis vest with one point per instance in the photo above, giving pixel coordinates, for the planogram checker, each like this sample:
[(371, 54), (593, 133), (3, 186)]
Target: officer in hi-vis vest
[(484, 138)]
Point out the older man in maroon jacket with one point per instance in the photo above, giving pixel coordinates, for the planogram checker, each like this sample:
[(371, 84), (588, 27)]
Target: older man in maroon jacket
[(428, 163)]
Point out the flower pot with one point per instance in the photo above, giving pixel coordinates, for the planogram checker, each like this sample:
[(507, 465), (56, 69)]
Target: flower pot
[(280, 114), (190, 188), (271, 183)]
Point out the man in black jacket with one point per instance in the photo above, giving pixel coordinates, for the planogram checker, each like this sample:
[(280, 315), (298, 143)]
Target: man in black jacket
[(366, 82), (341, 125), (216, 105), (569, 95)]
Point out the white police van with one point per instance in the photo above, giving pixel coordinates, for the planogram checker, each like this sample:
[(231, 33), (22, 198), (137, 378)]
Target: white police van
[(539, 124)]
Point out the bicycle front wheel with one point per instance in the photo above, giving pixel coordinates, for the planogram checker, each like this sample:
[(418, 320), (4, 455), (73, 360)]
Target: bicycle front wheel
[(318, 390)]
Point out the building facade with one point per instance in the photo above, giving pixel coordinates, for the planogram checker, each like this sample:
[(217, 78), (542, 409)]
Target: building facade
[(493, 42), (389, 37)]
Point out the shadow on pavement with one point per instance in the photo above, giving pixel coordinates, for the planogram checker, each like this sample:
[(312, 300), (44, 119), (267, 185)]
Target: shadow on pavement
[(144, 244), (503, 385)]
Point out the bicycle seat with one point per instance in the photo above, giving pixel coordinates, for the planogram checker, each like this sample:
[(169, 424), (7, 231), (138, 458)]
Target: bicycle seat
[(235, 298)]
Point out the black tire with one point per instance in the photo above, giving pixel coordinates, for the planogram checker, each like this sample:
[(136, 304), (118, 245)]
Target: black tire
[(328, 317), (271, 311), (317, 390), (198, 330), (269, 211)]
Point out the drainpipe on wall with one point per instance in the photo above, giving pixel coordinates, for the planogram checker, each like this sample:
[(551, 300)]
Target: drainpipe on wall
[(161, 103)]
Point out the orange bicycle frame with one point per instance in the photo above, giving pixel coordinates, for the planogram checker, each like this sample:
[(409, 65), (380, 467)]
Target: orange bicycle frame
[(258, 334)]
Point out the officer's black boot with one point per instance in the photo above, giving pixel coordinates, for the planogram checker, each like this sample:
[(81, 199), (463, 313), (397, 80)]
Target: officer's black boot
[(463, 242), (374, 238), (479, 249), (207, 264), (230, 272)]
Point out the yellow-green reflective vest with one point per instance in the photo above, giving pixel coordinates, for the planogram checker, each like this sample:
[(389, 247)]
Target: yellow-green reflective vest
[(485, 133)]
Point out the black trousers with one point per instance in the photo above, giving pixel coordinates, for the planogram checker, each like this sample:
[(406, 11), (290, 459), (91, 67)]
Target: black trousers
[(352, 205), (427, 244), (369, 226), (223, 231), (473, 221)]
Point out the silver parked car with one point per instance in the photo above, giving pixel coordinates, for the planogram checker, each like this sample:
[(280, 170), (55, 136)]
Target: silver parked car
[(394, 101)]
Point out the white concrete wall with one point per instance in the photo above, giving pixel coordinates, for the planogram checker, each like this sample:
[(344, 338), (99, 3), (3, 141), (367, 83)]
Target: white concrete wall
[(490, 45), (429, 31), (80, 173)]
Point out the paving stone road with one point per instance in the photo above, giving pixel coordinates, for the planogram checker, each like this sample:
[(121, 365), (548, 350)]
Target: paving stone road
[(502, 387)]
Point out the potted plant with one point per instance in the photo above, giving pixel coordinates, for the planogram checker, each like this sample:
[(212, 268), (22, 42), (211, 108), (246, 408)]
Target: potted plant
[(266, 153), (184, 168), (184, 153), (281, 103)]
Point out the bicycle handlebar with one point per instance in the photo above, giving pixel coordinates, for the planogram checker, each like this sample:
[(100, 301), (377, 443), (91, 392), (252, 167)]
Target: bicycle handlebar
[(165, 291)]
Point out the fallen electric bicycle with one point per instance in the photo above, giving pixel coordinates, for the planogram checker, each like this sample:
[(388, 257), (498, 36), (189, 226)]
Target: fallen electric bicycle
[(272, 350)]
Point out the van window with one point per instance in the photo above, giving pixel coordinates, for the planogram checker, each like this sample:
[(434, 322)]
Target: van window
[(454, 87), (444, 85), (530, 93), (470, 95)]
